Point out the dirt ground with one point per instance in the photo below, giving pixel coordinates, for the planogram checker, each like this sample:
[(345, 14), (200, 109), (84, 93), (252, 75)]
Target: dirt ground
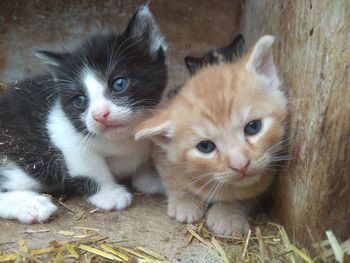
[(143, 224), (190, 27)]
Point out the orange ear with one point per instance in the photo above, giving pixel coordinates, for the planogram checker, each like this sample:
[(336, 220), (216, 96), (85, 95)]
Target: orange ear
[(158, 128), (260, 61)]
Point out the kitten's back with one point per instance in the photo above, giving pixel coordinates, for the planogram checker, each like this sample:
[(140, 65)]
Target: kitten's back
[(19, 101)]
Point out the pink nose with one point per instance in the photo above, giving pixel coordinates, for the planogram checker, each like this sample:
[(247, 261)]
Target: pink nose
[(240, 167), (239, 161), (101, 117)]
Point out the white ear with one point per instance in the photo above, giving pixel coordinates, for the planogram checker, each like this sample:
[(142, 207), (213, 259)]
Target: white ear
[(261, 61)]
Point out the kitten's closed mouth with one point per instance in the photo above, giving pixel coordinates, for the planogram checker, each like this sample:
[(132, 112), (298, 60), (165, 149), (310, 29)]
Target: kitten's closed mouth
[(112, 126), (234, 177), (242, 176)]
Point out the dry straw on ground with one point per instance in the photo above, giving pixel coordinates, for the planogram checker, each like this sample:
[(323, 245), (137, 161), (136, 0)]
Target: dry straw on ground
[(88, 246), (269, 242), (266, 242)]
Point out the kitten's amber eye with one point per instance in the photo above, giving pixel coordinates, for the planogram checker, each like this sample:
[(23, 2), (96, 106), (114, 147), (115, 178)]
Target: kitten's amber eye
[(206, 146), (253, 127)]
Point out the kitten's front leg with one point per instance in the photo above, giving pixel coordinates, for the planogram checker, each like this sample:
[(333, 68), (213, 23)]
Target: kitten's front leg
[(227, 219), (109, 195), (147, 180), (185, 207)]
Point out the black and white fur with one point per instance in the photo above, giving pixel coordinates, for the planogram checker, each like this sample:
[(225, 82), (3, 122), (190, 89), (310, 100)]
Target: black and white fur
[(51, 137)]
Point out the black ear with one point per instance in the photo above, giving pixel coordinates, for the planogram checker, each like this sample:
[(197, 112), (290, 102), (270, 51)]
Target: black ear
[(144, 27), (238, 45), (52, 59), (193, 64), (234, 50)]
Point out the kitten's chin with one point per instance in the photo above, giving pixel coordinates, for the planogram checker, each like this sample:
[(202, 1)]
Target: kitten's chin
[(238, 179), (115, 132), (113, 128), (242, 180)]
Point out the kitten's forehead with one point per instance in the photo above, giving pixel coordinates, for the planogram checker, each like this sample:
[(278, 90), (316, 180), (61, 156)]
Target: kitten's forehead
[(205, 128), (228, 92), (106, 54), (94, 85)]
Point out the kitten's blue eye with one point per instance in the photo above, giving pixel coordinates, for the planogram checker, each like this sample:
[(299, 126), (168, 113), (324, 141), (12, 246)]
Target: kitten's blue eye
[(79, 101), (206, 146), (120, 84), (253, 127)]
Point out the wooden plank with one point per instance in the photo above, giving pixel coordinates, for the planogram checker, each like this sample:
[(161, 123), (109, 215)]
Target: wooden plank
[(312, 194)]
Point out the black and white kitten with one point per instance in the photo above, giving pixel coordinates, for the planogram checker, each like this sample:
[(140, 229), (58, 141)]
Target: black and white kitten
[(227, 54), (70, 132)]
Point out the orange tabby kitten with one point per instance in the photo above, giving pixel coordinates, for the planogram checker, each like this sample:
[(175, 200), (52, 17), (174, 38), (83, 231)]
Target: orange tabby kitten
[(217, 140)]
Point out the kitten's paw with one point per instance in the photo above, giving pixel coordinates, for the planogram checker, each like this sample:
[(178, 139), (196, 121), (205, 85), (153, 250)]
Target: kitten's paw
[(185, 212), (112, 198), (148, 184), (28, 207), (37, 210), (226, 223)]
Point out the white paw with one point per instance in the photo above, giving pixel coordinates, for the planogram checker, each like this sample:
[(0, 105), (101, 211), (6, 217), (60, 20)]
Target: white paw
[(148, 184), (226, 223), (108, 199), (26, 207), (185, 212)]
